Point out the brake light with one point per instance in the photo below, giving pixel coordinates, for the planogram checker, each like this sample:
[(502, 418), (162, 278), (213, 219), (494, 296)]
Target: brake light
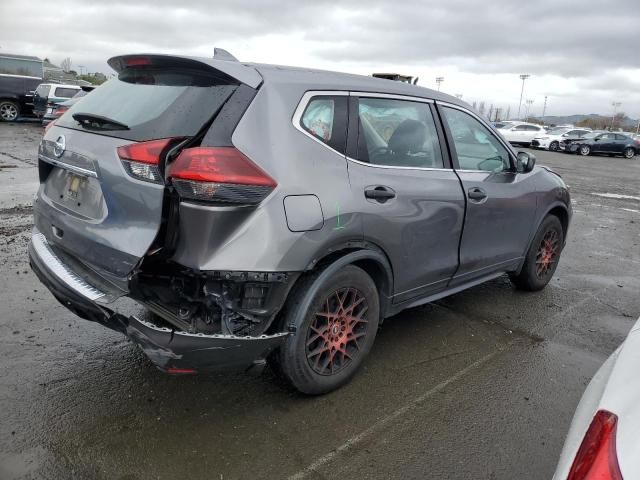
[(59, 111), (137, 61), (141, 160), (219, 174), (597, 458)]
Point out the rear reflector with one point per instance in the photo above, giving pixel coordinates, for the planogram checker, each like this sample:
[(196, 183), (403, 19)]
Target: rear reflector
[(219, 174), (141, 160), (181, 371), (597, 458)]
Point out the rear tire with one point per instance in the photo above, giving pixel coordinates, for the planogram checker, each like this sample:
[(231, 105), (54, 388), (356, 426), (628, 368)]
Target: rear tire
[(584, 150), (336, 320), (629, 152), (542, 257), (9, 111)]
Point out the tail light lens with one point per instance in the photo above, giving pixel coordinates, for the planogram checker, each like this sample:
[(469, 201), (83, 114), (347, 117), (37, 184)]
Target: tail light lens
[(59, 111), (48, 126), (141, 160), (219, 174), (597, 458)]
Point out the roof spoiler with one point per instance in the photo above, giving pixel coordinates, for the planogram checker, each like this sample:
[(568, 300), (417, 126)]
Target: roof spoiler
[(240, 72), (222, 54)]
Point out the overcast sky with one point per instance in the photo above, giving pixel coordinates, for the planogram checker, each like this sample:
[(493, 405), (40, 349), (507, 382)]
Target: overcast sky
[(583, 55)]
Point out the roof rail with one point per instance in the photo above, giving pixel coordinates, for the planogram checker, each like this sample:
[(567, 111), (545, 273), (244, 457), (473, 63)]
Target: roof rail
[(222, 54)]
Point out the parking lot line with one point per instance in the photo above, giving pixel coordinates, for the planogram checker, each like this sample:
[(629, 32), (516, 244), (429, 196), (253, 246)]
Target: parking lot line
[(382, 423)]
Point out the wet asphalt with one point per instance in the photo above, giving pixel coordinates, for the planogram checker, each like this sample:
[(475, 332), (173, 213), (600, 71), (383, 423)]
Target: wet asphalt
[(482, 384)]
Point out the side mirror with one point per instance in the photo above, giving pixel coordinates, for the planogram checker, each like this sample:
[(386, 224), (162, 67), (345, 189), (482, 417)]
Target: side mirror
[(525, 162), (565, 135)]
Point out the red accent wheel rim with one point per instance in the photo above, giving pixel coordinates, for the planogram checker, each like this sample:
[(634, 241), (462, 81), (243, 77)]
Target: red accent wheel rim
[(547, 254), (337, 331)]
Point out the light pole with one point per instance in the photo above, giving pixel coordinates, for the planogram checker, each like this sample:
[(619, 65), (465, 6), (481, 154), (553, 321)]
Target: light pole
[(80, 67), (439, 80), (528, 102), (544, 108), (615, 106), (523, 77)]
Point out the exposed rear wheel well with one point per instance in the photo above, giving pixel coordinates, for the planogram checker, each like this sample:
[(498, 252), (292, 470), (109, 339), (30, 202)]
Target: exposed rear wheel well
[(380, 273), (563, 216)]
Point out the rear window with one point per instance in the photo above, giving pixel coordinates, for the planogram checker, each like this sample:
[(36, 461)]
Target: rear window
[(154, 102), (43, 90), (63, 92)]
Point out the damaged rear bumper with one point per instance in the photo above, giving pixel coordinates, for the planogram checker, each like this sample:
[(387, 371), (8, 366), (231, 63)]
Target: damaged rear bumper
[(170, 350)]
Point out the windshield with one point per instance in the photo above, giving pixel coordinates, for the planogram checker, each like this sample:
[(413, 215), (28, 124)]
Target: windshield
[(154, 102), (503, 124)]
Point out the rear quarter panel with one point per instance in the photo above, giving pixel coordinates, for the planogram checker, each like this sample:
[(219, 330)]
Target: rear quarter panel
[(258, 238)]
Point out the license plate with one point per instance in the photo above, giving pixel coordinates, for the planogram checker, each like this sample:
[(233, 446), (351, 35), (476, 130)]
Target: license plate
[(74, 183)]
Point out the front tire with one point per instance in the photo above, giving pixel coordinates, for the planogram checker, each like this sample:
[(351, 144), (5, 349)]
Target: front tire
[(542, 257), (629, 152), (553, 146), (9, 111), (336, 319), (584, 150)]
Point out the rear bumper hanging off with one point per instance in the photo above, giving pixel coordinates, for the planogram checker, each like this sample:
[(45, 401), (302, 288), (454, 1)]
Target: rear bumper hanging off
[(170, 350)]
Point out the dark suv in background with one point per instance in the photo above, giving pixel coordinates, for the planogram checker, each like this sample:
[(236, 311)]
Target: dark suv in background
[(266, 212), (16, 96)]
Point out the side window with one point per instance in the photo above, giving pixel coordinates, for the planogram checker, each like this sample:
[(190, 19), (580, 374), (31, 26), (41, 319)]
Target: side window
[(476, 147), (65, 92), (325, 118), (521, 128), (43, 91), (397, 133), (621, 137)]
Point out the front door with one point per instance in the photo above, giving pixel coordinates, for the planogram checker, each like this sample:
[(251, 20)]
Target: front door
[(501, 203), (411, 200)]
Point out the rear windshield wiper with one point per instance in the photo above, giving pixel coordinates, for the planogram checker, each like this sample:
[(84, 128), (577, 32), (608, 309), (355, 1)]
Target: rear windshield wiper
[(89, 120)]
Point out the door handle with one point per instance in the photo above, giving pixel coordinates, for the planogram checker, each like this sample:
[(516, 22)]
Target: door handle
[(379, 194), (476, 194)]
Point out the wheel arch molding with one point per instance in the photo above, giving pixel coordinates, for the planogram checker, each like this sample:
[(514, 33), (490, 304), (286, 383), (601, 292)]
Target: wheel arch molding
[(366, 256)]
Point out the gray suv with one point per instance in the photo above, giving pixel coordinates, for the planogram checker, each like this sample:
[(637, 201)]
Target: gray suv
[(223, 214)]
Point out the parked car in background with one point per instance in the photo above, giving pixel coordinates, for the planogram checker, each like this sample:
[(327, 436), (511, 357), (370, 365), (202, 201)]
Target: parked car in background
[(289, 243), (48, 95), (551, 140), (16, 96), (521, 132), (603, 440), (603, 142), (59, 108)]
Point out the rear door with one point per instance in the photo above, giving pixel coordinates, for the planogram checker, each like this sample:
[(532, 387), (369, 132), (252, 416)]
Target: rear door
[(410, 199), (102, 183), (621, 141), (501, 203), (605, 143), (40, 99)]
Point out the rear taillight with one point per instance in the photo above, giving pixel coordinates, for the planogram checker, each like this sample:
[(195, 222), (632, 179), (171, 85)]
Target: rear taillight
[(219, 174), (59, 111), (49, 125), (142, 160), (597, 458)]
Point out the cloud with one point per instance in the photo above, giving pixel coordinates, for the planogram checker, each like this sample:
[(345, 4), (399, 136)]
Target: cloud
[(579, 48)]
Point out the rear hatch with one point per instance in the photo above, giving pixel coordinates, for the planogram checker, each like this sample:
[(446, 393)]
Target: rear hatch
[(101, 171)]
